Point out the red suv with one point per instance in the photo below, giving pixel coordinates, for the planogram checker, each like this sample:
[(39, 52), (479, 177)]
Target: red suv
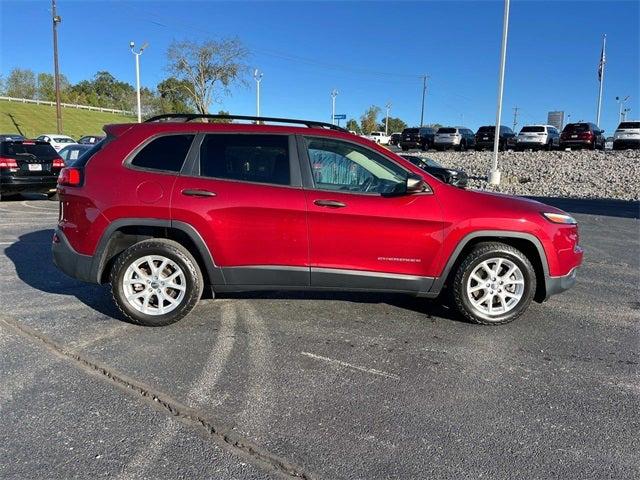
[(163, 209)]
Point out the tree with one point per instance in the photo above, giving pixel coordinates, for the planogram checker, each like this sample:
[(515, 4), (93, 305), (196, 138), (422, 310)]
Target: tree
[(352, 125), (21, 83), (174, 96), (369, 120), (435, 126), (209, 68), (396, 125), (47, 87)]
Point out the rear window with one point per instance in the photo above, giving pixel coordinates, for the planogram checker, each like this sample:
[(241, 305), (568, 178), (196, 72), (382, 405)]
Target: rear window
[(446, 130), (532, 129), (486, 129), (63, 140), (576, 128), (408, 131), (166, 153), (629, 125), (42, 151), (248, 158)]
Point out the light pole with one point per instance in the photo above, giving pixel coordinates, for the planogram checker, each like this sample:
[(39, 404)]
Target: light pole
[(56, 20), (386, 121), (137, 55), (424, 94), (257, 75), (494, 174), (334, 94), (621, 102)]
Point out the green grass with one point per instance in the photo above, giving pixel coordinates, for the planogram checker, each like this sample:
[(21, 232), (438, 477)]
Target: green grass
[(32, 120)]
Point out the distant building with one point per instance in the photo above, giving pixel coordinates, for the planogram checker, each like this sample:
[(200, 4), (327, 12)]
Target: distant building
[(556, 119)]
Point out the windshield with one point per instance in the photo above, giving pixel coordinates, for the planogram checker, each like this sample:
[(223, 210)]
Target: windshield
[(63, 140)]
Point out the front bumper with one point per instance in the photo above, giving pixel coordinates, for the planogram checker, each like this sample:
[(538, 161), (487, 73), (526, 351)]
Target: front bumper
[(555, 285), (72, 263)]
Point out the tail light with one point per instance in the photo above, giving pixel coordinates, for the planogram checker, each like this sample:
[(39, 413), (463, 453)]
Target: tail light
[(586, 135), (8, 162), (58, 163), (70, 177)]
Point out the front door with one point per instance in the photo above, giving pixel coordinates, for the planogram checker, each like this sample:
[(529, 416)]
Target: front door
[(361, 234), (249, 207)]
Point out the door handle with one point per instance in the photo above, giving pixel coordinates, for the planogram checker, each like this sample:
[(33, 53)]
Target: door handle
[(198, 193), (330, 203)]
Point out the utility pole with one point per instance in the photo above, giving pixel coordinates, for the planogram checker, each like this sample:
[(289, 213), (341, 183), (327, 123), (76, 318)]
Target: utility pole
[(494, 174), (56, 20), (386, 122), (601, 64), (257, 75), (424, 93), (621, 102), (137, 55), (515, 118), (334, 94)]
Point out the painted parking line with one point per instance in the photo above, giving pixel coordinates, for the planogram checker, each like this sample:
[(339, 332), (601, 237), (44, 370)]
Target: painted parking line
[(333, 361)]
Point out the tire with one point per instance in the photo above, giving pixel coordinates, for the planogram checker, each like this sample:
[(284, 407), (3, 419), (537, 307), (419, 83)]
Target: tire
[(550, 146), (462, 147), (189, 279), (52, 195), (405, 149), (511, 306)]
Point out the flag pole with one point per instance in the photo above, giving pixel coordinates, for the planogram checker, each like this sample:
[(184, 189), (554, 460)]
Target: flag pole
[(603, 61)]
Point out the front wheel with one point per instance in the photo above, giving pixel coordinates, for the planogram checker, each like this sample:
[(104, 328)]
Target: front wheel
[(156, 282), (494, 284)]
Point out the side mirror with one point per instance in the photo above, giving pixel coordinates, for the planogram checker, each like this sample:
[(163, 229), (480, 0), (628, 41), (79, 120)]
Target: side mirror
[(415, 184)]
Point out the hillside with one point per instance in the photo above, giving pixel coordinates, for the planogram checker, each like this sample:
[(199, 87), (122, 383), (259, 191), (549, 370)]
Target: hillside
[(32, 120)]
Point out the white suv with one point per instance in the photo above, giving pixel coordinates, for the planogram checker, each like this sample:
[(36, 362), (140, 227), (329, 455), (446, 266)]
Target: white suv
[(537, 137), (627, 135)]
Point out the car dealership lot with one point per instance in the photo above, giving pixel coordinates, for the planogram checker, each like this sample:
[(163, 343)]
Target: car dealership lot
[(317, 385)]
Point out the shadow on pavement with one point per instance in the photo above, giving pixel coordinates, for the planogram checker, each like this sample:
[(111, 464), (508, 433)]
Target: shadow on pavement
[(594, 206), (31, 255)]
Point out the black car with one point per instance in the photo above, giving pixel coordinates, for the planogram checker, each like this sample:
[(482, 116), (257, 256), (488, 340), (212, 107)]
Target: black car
[(421, 138), (28, 166), (395, 139), (451, 176), (485, 137), (582, 135), (11, 136)]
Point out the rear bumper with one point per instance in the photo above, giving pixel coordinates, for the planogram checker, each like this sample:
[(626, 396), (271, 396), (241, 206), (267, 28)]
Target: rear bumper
[(405, 144), (575, 143), (72, 263), (11, 183), (555, 285), (523, 145), (622, 143)]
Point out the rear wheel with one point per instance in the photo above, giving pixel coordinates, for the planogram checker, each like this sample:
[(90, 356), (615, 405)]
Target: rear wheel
[(462, 147), (156, 282), (494, 284)]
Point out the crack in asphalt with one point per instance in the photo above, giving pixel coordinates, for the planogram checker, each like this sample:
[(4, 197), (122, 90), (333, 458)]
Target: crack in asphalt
[(223, 434)]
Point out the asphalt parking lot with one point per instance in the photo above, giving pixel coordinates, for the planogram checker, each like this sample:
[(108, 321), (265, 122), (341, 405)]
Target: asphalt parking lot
[(317, 385)]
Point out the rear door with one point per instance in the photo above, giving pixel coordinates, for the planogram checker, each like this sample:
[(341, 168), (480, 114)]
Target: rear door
[(33, 159), (361, 236), (243, 194)]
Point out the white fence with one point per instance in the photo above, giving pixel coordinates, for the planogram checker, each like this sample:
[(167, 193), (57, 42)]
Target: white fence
[(68, 105)]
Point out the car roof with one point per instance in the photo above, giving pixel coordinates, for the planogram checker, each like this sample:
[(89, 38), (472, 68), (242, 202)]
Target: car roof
[(61, 135)]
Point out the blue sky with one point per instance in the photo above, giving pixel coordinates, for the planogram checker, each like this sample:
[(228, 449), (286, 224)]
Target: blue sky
[(372, 52)]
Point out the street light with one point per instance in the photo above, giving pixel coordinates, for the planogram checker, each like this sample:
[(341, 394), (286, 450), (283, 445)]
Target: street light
[(257, 75), (137, 55), (386, 122), (621, 102), (334, 94), (494, 174)]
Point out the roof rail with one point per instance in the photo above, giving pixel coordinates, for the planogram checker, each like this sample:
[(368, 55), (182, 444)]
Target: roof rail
[(187, 117)]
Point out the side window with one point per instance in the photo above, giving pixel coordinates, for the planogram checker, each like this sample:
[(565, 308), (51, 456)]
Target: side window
[(344, 166), (166, 153), (248, 158)]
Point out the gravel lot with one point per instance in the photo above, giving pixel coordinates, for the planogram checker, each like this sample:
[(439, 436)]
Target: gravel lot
[(333, 386), (578, 174)]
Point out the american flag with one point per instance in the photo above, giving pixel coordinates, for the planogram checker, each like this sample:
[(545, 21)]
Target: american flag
[(603, 60)]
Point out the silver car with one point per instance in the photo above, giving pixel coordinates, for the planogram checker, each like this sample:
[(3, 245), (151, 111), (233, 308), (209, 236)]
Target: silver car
[(538, 137)]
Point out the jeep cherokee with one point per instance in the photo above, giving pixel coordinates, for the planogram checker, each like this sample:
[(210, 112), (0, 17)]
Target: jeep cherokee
[(164, 209)]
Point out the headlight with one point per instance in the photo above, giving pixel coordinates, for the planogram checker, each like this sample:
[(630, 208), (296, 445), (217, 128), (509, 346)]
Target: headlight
[(560, 218)]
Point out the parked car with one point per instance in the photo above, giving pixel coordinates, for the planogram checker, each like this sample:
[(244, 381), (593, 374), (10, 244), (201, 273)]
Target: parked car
[(28, 166), (73, 152), (582, 135), (90, 139), (421, 138), (379, 137), (485, 137), (11, 136), (211, 204), (627, 135), (395, 139), (538, 137), (56, 141), (608, 144), (459, 138), (451, 176)]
